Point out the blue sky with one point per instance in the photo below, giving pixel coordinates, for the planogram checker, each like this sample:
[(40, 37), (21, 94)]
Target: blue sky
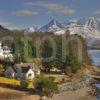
[(22, 14)]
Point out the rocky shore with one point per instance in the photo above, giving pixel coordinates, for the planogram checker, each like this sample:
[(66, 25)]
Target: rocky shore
[(81, 94), (85, 81), (76, 90)]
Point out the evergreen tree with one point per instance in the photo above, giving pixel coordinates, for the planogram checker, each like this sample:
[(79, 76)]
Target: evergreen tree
[(71, 60), (22, 50), (46, 53)]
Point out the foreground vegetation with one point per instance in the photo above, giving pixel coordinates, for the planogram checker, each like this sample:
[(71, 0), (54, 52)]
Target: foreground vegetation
[(45, 86), (4, 80)]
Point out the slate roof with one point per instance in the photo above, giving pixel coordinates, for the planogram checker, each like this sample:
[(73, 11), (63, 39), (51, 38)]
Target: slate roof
[(25, 69), (31, 65), (24, 64), (10, 70)]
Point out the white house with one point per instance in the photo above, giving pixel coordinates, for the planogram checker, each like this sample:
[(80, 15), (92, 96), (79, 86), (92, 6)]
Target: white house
[(5, 53), (27, 73), (9, 72), (23, 71)]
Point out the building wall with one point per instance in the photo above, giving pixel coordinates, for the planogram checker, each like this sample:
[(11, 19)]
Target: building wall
[(5, 52), (30, 74), (9, 75)]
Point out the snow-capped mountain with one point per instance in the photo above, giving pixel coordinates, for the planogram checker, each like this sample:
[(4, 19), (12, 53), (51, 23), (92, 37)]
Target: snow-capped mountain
[(59, 32), (71, 23), (31, 29), (90, 22), (52, 26), (87, 27)]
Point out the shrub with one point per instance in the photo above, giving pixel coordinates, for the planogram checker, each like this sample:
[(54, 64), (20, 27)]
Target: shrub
[(68, 71), (45, 86), (1, 71), (24, 84)]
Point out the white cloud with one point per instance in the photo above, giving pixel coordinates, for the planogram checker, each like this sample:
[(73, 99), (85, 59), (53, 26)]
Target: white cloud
[(28, 3), (97, 11), (25, 13), (58, 8)]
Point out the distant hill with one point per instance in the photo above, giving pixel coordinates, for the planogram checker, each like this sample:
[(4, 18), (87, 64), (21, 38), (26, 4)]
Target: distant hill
[(5, 32), (58, 38)]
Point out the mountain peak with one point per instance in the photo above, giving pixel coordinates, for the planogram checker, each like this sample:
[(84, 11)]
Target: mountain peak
[(31, 29), (91, 22), (54, 21), (52, 26)]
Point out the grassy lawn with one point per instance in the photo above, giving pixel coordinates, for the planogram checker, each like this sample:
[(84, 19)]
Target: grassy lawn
[(9, 81)]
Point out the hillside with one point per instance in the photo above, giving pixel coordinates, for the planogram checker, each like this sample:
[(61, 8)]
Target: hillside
[(5, 32), (72, 44), (75, 43)]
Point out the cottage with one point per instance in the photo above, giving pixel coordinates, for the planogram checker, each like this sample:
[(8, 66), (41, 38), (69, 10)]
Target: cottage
[(9, 72), (27, 73), (23, 71)]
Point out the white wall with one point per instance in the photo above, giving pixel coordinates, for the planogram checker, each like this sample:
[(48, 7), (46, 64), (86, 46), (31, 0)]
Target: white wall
[(32, 74)]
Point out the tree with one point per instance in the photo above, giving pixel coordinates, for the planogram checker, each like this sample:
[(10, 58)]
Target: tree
[(47, 47), (46, 53), (71, 60), (33, 48), (22, 50), (24, 84), (27, 49), (45, 86), (1, 70), (37, 61)]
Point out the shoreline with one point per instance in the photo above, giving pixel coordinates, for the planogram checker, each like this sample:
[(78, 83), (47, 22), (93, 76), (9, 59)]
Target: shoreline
[(81, 94)]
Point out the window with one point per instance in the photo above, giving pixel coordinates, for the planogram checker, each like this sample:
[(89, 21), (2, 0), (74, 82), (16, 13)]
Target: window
[(29, 75)]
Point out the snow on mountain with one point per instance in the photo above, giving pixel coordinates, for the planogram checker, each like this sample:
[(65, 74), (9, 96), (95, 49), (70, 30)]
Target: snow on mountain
[(31, 29), (91, 25), (71, 23), (87, 27), (52, 26), (90, 22), (60, 32)]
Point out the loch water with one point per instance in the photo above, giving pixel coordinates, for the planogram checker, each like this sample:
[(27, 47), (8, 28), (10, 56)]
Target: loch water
[(95, 57)]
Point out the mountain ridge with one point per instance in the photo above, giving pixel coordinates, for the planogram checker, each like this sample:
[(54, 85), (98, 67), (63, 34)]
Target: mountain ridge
[(52, 26)]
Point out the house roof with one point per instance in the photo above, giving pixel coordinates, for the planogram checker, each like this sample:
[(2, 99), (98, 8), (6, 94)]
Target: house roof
[(25, 69), (10, 69), (23, 65)]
